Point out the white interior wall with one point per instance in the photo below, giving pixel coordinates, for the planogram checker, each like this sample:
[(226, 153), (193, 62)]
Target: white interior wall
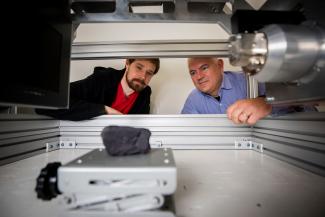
[(172, 84)]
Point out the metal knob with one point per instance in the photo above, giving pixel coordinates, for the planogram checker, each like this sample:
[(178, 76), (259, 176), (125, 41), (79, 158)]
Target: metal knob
[(46, 183)]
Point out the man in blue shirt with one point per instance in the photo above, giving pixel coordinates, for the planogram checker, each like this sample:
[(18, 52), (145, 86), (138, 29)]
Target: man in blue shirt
[(220, 92)]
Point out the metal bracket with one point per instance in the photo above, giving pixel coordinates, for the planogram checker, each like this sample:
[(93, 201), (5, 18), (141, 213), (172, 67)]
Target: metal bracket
[(243, 143), (257, 147), (156, 144), (68, 144), (52, 146), (247, 143)]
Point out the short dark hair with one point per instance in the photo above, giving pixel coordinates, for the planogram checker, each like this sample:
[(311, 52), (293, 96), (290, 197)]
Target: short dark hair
[(154, 61)]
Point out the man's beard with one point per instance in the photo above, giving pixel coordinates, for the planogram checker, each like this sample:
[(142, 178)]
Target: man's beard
[(136, 84)]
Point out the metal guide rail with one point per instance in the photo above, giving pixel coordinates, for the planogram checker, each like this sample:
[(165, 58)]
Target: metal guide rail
[(154, 48)]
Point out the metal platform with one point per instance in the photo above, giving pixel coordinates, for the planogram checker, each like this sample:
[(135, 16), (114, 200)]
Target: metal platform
[(210, 183), (99, 173)]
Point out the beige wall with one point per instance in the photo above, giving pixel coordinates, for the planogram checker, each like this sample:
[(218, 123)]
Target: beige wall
[(172, 84)]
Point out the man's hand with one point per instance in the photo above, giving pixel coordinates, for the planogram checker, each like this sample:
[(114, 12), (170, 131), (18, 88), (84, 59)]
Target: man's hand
[(248, 111), (112, 111)]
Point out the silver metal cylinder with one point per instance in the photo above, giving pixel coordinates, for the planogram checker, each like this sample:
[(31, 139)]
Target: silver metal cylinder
[(294, 53), (252, 87)]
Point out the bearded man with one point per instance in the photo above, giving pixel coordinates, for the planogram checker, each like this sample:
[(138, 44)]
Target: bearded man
[(110, 91)]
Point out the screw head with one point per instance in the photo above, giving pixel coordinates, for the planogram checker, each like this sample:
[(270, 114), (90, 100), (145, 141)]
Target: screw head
[(270, 98)]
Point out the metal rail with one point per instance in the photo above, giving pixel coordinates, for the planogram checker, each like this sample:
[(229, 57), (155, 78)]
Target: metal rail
[(164, 48)]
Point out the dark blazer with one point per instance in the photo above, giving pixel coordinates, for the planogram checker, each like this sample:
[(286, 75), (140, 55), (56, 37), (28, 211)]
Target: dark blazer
[(89, 96)]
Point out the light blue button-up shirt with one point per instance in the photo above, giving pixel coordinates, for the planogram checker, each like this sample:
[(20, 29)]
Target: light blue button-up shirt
[(233, 88)]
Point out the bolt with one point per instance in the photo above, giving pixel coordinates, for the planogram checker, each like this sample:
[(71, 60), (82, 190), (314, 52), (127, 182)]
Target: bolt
[(62, 144), (68, 200), (157, 200), (316, 68), (253, 61), (270, 99)]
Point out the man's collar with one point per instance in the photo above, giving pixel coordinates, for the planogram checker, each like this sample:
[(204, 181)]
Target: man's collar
[(125, 87), (226, 84)]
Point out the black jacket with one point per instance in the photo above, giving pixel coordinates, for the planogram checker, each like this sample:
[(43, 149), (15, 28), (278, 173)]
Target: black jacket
[(89, 96)]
